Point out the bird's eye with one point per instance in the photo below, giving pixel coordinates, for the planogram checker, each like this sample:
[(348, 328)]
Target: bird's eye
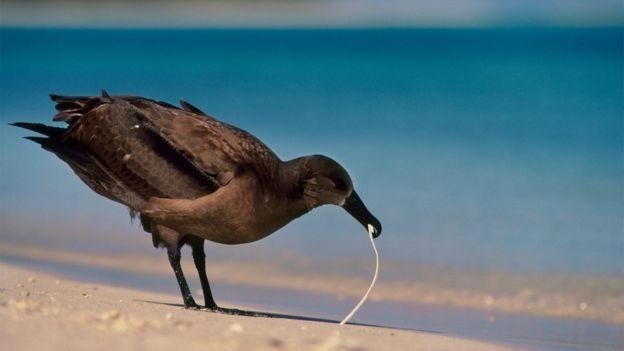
[(340, 184)]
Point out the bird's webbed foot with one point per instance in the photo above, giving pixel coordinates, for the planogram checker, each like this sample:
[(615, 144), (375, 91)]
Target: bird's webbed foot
[(237, 312)]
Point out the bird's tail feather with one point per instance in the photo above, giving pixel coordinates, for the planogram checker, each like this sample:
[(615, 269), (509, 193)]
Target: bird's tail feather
[(84, 164), (52, 132)]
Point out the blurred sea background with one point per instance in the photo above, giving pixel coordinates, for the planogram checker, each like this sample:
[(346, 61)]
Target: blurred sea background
[(492, 148), (493, 155)]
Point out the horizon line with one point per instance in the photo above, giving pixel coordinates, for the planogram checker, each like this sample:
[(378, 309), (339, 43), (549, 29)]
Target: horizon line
[(153, 26)]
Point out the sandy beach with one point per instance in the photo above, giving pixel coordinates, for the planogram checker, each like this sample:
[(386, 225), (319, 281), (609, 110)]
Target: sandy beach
[(46, 312)]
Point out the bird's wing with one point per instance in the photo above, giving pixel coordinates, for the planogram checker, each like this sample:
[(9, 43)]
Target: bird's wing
[(215, 149)]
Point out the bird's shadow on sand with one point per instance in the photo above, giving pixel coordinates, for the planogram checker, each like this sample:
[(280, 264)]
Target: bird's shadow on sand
[(294, 317)]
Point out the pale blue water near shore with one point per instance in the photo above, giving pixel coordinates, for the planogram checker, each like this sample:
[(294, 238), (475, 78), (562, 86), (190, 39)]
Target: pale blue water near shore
[(484, 149)]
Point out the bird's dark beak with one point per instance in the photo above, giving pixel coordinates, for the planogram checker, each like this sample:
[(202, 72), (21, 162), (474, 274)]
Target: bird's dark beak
[(354, 205)]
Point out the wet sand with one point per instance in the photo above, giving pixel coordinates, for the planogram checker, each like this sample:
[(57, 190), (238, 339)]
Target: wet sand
[(47, 312), (591, 298)]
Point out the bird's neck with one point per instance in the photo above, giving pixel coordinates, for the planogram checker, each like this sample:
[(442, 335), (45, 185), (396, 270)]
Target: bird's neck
[(289, 177)]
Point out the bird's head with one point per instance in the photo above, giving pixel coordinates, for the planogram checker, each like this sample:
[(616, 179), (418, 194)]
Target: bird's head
[(324, 181)]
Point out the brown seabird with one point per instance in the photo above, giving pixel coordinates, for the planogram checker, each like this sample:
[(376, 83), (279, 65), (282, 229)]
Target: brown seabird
[(190, 177)]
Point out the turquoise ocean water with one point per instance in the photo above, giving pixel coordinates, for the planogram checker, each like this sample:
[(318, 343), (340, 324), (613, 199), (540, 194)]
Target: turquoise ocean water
[(480, 148)]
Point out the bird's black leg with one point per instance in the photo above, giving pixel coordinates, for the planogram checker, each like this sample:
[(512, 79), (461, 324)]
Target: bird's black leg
[(174, 259), (199, 256)]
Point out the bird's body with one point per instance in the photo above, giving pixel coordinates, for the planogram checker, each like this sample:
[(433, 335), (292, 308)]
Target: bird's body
[(189, 176)]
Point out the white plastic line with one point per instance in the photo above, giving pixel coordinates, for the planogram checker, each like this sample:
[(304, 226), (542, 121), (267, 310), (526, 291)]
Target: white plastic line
[(357, 307)]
